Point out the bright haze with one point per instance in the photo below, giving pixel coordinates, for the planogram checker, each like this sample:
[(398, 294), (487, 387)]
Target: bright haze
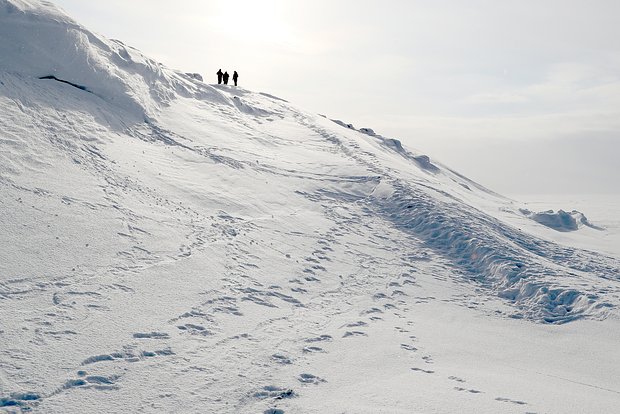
[(523, 97)]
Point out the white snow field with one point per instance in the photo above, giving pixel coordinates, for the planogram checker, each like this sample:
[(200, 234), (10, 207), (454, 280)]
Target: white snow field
[(177, 247)]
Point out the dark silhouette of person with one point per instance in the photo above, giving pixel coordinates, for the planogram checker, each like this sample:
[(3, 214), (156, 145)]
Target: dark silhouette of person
[(235, 77), (219, 76), (226, 76)]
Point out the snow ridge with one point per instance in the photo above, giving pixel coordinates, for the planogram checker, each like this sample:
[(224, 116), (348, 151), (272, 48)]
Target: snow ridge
[(533, 274), (40, 41)]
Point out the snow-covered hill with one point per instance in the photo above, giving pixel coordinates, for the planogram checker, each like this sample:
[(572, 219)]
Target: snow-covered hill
[(173, 246)]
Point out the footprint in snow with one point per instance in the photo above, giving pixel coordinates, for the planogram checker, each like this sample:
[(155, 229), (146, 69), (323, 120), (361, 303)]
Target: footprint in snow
[(371, 310), (310, 379), (276, 393), (321, 338), (273, 411), (508, 400), (349, 334), (127, 356), (92, 381), (354, 324), (230, 310), (423, 370), (471, 391), (21, 400), (194, 329), (312, 350), (281, 359), (151, 335)]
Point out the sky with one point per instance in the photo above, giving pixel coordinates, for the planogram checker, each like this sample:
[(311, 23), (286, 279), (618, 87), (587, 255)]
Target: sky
[(521, 96)]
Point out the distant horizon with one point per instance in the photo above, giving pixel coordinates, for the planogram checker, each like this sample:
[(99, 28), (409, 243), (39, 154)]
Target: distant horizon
[(522, 98)]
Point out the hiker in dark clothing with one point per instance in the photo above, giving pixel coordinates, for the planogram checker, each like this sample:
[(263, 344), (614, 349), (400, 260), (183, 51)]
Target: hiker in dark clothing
[(226, 76), (235, 77), (219, 76)]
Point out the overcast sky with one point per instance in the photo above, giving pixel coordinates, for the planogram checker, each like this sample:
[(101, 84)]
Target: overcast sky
[(521, 96)]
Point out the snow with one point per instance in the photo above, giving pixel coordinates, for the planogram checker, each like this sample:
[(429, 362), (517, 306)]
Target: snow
[(560, 220), (173, 246)]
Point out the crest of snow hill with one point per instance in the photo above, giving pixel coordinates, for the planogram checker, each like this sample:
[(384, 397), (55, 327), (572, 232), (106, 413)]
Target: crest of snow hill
[(40, 41), (439, 209)]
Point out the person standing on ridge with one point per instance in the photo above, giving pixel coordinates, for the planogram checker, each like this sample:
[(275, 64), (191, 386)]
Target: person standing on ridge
[(235, 77), (219, 76), (226, 76)]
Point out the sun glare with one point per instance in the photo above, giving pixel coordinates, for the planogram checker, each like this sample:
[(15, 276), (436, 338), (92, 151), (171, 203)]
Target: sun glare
[(253, 21)]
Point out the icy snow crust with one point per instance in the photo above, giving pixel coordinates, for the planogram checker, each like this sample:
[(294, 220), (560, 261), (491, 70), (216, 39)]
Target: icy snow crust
[(202, 248)]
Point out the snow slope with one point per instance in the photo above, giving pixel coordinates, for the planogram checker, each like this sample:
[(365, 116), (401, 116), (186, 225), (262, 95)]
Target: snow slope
[(173, 246)]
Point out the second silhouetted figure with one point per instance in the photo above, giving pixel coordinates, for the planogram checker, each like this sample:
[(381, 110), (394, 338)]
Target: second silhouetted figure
[(219, 76), (226, 76), (235, 77)]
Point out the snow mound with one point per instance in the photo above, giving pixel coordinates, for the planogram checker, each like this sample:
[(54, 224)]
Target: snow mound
[(561, 220), (171, 232), (512, 264), (40, 41)]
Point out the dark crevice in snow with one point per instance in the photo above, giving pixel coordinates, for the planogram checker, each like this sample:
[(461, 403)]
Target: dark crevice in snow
[(80, 87)]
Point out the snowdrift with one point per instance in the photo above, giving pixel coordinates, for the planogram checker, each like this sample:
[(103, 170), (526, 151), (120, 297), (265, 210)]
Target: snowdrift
[(40, 41), (560, 220)]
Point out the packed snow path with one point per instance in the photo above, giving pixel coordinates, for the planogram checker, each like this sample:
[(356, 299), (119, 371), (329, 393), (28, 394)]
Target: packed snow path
[(172, 246)]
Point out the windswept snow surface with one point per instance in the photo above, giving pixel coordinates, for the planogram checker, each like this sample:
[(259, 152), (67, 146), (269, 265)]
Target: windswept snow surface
[(173, 246)]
